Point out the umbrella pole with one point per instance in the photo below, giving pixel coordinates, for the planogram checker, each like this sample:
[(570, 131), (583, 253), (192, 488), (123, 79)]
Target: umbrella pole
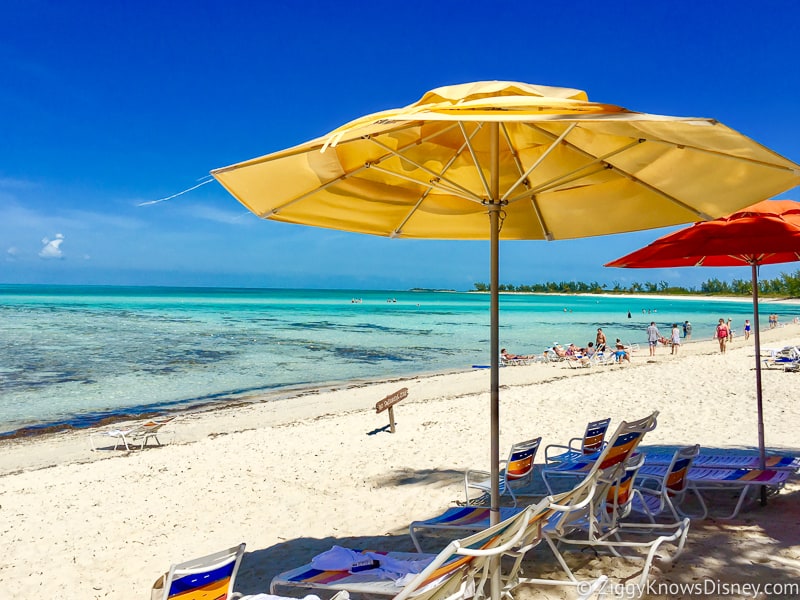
[(762, 458), (494, 324), (494, 343)]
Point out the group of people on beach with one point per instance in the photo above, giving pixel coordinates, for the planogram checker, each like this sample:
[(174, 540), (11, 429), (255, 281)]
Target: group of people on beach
[(620, 351), (723, 333), (600, 346)]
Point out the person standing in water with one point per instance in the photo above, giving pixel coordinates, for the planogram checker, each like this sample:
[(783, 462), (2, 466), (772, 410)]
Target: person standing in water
[(747, 329)]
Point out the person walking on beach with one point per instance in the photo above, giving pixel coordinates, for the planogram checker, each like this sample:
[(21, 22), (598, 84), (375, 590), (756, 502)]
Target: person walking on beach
[(730, 330), (600, 340), (676, 338), (652, 337), (722, 335), (747, 329)]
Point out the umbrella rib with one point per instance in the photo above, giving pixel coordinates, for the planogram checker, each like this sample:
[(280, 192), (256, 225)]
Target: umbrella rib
[(539, 160), (341, 177), (570, 176), (305, 195), (513, 152), (576, 175), (397, 232), (428, 184), (703, 216), (465, 191), (475, 161), (546, 233), (754, 161)]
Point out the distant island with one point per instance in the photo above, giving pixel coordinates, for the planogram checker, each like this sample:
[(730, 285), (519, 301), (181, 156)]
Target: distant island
[(785, 286)]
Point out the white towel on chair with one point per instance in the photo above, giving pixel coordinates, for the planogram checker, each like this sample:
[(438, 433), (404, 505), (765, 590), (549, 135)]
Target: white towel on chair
[(272, 597), (344, 559)]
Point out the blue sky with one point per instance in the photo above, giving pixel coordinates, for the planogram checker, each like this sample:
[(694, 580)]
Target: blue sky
[(108, 105)]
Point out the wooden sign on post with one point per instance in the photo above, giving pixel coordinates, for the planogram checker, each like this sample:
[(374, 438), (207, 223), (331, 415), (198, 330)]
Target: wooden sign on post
[(389, 403)]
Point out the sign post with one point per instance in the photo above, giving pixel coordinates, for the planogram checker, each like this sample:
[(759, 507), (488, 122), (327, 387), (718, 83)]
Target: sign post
[(389, 403)]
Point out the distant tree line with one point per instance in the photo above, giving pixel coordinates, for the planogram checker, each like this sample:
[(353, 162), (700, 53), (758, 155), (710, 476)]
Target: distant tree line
[(787, 285)]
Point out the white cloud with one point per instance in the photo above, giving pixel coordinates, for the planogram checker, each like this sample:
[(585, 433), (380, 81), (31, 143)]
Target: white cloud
[(52, 248), (12, 253)]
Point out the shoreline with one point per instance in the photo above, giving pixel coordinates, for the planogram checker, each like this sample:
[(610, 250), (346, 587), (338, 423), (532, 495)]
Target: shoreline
[(92, 421), (223, 401), (308, 397), (699, 297)]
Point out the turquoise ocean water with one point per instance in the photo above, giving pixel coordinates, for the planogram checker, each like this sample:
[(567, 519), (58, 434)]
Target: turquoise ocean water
[(77, 355)]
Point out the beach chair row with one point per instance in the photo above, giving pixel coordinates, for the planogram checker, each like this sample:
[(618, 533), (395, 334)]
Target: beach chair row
[(468, 567), (611, 478)]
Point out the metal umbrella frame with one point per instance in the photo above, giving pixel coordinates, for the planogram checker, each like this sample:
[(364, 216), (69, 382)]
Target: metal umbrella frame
[(542, 162), (767, 232)]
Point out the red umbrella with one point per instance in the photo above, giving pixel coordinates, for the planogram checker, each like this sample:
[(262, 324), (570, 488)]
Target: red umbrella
[(765, 233)]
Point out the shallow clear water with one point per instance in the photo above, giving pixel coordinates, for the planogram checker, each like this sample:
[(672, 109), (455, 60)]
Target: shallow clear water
[(72, 354)]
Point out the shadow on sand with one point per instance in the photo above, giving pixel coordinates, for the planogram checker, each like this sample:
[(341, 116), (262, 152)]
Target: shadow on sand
[(760, 546)]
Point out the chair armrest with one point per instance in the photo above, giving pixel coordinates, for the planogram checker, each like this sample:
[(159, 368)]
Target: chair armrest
[(646, 481), (476, 480), (572, 453)]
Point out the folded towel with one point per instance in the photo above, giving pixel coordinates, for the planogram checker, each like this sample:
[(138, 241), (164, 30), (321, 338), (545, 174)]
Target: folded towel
[(272, 597), (380, 566)]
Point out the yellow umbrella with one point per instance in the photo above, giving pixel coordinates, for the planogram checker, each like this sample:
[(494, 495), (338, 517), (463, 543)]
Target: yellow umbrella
[(496, 159)]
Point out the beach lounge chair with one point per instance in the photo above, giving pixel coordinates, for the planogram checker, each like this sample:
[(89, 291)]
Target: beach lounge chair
[(139, 434), (669, 491), (554, 355), (607, 357), (720, 460), (599, 525), (742, 480), (477, 519), (459, 571), (786, 356), (516, 474), (618, 449), (516, 361), (579, 362), (209, 577), (591, 512), (579, 447)]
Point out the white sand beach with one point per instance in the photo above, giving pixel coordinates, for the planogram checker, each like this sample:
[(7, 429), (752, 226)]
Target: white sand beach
[(292, 478)]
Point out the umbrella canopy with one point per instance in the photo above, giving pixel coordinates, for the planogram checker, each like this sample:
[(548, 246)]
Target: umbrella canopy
[(765, 233), (498, 159), (565, 167)]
